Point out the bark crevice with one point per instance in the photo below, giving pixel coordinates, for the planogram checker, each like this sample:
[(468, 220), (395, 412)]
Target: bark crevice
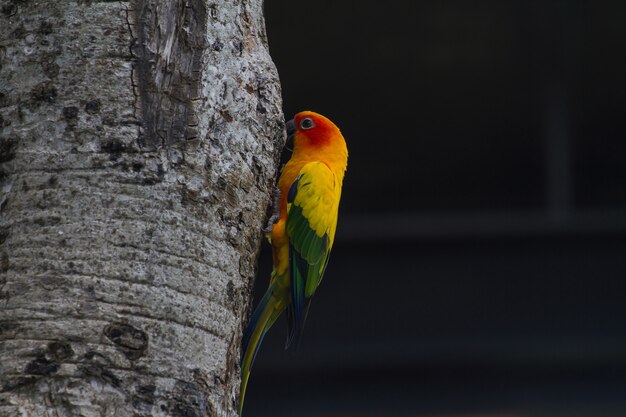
[(167, 62)]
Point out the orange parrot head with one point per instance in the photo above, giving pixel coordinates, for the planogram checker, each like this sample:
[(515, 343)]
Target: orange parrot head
[(310, 130)]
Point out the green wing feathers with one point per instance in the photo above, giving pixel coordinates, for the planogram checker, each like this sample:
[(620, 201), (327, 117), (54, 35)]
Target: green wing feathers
[(313, 201)]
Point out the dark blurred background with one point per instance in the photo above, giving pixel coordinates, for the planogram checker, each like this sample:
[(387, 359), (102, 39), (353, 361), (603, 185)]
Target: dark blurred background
[(479, 267)]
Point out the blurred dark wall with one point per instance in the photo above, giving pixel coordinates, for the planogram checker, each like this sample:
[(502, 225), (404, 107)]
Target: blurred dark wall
[(479, 263)]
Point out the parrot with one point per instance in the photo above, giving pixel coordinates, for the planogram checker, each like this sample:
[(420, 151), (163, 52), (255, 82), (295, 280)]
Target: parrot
[(309, 190)]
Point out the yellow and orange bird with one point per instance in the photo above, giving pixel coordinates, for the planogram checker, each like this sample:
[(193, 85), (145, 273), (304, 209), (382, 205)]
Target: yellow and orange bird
[(310, 190)]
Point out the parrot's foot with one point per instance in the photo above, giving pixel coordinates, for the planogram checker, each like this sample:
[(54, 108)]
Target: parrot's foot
[(275, 211)]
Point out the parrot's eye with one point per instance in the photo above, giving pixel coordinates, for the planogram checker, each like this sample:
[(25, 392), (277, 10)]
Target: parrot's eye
[(307, 123)]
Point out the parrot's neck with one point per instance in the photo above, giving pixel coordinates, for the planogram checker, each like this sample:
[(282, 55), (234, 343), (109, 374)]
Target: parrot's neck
[(334, 155)]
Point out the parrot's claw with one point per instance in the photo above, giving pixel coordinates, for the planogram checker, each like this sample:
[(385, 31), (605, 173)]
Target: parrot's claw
[(275, 211), (270, 226)]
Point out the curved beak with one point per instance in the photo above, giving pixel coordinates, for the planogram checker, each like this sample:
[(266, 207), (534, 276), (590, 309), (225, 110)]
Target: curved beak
[(290, 126)]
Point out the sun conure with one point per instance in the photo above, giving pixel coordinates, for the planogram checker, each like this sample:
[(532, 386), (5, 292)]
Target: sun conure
[(310, 189)]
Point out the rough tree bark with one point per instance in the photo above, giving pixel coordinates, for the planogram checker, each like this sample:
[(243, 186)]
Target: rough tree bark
[(138, 147)]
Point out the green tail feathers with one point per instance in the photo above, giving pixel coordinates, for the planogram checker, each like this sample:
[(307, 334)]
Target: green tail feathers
[(264, 316)]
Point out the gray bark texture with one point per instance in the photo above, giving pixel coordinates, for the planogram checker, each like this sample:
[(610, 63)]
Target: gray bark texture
[(139, 142)]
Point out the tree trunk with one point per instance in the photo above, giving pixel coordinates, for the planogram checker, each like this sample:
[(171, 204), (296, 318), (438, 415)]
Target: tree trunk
[(138, 147)]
